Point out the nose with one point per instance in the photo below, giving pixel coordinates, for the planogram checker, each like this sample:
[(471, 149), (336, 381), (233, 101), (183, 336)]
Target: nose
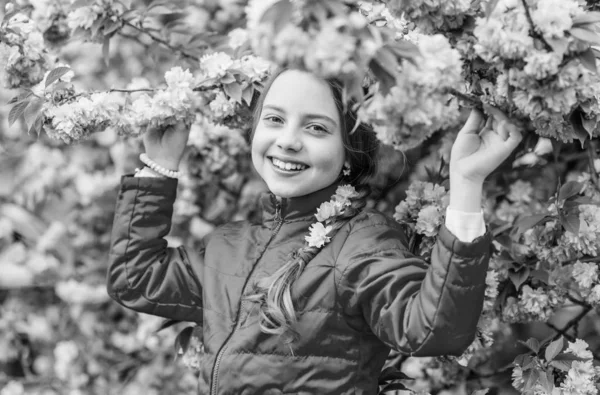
[(288, 139)]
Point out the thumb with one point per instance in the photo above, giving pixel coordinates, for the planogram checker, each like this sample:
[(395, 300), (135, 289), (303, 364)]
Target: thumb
[(474, 123)]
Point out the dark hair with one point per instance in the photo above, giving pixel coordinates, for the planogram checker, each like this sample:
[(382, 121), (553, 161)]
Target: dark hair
[(277, 310)]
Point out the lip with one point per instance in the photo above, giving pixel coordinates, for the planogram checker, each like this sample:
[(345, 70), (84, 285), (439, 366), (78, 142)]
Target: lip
[(286, 159), (285, 172)]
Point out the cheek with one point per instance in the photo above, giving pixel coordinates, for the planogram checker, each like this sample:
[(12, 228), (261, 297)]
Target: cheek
[(331, 156), (258, 146)]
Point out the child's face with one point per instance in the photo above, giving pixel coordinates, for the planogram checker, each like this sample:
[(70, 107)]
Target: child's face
[(297, 146)]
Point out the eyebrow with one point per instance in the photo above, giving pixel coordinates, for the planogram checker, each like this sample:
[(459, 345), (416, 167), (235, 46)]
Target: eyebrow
[(312, 116)]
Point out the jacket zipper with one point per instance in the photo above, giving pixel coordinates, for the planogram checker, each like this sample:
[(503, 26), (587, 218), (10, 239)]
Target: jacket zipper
[(215, 375)]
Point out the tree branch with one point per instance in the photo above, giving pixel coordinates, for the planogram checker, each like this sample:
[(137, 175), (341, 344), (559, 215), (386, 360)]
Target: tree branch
[(533, 30), (591, 154), (463, 96), (161, 41), (572, 322)]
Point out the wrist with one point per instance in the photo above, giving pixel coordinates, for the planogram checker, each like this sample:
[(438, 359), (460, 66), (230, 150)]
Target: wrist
[(168, 164), (465, 194)]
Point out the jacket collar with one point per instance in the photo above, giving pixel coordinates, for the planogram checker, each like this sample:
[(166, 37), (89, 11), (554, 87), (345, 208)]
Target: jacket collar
[(295, 208)]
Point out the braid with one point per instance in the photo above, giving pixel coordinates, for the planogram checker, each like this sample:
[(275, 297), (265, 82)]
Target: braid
[(274, 293)]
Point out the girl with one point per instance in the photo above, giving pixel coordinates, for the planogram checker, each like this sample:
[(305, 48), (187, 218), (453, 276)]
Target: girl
[(294, 305)]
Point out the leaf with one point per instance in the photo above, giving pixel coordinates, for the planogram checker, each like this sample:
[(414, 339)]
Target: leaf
[(588, 60), (182, 341), (554, 349), (278, 15), (530, 221), (392, 373), (481, 391), (588, 17), (16, 112), (490, 7), (247, 94), (166, 324), (559, 45), (585, 35), (518, 278), (37, 125), (98, 23), (111, 26), (583, 200), (33, 111), (542, 275), (570, 223), (55, 74), (387, 60), (570, 189), (405, 50), (576, 120), (568, 357), (161, 9), (233, 90), (106, 50), (393, 387), (530, 378), (20, 97), (547, 381), (532, 343), (386, 79), (561, 365)]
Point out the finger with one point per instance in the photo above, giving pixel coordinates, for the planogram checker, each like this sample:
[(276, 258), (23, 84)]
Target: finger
[(496, 113), (515, 135), (502, 130), (473, 123)]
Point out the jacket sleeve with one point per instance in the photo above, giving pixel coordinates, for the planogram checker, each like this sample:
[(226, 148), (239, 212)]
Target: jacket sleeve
[(144, 274), (415, 307)]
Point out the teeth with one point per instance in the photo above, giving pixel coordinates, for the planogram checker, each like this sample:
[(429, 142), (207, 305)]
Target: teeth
[(288, 166)]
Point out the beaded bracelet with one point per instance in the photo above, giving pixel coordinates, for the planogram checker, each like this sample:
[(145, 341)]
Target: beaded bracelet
[(158, 168)]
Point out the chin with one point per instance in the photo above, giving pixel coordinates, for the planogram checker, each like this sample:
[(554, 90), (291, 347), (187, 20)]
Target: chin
[(287, 192)]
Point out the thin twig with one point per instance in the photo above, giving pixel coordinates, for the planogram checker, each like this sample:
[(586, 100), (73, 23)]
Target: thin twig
[(533, 30), (501, 370), (593, 259), (131, 90), (572, 322), (470, 98), (162, 41)]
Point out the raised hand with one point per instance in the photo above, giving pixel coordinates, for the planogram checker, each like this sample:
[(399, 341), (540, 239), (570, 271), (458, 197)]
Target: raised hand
[(480, 147), (165, 146)]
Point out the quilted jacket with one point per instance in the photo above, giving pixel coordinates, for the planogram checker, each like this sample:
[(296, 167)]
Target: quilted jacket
[(361, 296)]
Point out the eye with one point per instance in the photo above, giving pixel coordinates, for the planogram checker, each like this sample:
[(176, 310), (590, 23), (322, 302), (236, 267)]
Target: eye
[(273, 119), (318, 128)]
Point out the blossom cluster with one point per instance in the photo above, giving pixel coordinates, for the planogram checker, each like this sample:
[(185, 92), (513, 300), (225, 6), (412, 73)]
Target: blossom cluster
[(216, 151), (424, 208), (543, 85), (326, 215), (168, 106), (78, 119), (340, 45), (23, 58), (435, 15), (533, 304), (418, 104), (86, 16), (231, 84), (580, 378)]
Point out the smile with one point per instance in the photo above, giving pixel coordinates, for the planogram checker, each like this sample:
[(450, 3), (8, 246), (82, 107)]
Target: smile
[(287, 166)]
